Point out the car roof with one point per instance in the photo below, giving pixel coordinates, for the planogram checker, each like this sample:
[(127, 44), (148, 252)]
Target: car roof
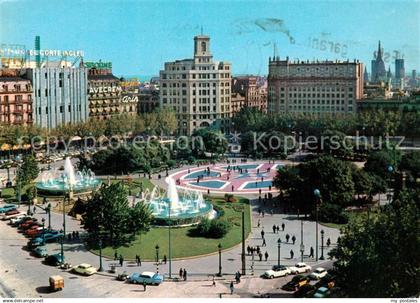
[(84, 265), (148, 273), (320, 269), (300, 264)]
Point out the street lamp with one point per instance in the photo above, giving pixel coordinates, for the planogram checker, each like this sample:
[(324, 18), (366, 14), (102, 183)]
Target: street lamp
[(61, 242), (43, 230), (317, 194), (220, 260), (157, 258), (302, 247), (100, 255), (322, 245), (278, 250), (48, 209)]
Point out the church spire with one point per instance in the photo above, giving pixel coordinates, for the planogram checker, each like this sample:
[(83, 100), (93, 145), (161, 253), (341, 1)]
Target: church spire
[(379, 56)]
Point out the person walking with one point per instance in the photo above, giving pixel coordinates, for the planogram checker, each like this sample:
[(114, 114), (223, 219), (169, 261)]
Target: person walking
[(115, 256), (283, 226), (164, 259), (144, 285), (264, 243), (287, 238), (231, 287), (137, 260), (328, 242), (311, 254), (181, 272), (121, 260), (278, 228), (262, 213), (291, 254), (293, 239), (258, 223), (260, 255), (262, 233), (185, 274), (266, 256), (258, 249), (274, 229)]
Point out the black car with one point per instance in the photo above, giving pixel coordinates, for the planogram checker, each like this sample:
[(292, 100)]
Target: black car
[(305, 291), (54, 260), (295, 283)]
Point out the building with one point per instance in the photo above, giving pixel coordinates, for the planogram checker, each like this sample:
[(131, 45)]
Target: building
[(60, 95), (399, 69), (15, 98), (238, 101), (378, 67), (401, 103), (253, 88), (314, 87), (104, 94), (198, 89), (378, 90), (148, 100)]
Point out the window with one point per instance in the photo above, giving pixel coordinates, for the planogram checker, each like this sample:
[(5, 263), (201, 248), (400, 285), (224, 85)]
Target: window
[(203, 46)]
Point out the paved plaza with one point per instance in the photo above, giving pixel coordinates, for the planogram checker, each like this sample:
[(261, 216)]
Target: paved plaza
[(23, 275)]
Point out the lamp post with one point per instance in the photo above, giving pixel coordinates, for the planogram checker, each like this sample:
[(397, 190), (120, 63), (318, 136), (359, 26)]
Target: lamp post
[(48, 209), (278, 251), (390, 169), (43, 230), (322, 245), (61, 242), (220, 260), (157, 258), (302, 247), (100, 255), (317, 194), (19, 194), (169, 246)]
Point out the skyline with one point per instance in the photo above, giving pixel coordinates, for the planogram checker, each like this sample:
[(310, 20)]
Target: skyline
[(240, 33)]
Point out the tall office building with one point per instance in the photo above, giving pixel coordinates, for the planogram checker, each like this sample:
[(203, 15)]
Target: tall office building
[(399, 68), (314, 87), (198, 89), (60, 95)]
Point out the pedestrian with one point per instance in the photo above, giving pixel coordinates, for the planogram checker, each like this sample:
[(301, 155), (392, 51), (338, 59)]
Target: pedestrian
[(263, 212), (328, 242), (248, 249), (137, 260), (291, 254), (260, 256), (264, 243), (259, 211), (181, 272), (259, 223), (237, 277), (311, 254), (231, 287), (258, 249), (262, 233), (185, 274), (266, 256), (278, 229), (294, 239), (164, 259), (121, 260), (283, 226), (274, 229), (77, 235), (73, 234), (34, 209), (115, 256), (214, 282), (144, 285), (287, 238)]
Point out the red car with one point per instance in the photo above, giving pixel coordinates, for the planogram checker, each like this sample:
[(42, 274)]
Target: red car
[(28, 224), (33, 231)]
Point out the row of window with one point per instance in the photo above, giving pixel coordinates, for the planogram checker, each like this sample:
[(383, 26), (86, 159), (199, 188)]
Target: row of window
[(318, 95), (16, 87), (314, 101), (18, 98), (61, 109), (195, 76)]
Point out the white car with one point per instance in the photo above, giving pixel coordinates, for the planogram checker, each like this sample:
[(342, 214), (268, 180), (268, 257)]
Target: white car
[(84, 269), (319, 273), (300, 268), (17, 219), (277, 271), (8, 217)]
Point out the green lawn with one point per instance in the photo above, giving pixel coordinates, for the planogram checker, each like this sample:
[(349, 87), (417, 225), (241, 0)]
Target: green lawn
[(184, 245), (9, 194), (134, 185)]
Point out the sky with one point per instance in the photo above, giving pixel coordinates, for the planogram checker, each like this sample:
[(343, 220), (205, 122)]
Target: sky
[(139, 36)]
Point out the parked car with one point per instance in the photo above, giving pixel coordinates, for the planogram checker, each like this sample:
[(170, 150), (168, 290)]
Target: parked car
[(277, 271), (40, 251), (305, 291), (48, 237), (10, 214), (147, 277), (35, 243), (295, 283), (319, 273), (7, 207), (84, 269), (27, 224), (322, 292), (20, 222), (17, 219), (327, 281), (54, 260), (300, 268), (34, 231)]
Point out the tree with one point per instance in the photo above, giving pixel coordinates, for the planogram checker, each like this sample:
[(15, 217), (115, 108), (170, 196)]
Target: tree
[(379, 258), (378, 162), (28, 171), (108, 212), (214, 141)]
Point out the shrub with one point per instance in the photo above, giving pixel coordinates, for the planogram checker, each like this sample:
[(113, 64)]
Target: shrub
[(331, 213), (216, 228)]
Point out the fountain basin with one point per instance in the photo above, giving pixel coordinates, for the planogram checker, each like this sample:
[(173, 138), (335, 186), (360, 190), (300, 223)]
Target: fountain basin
[(56, 187)]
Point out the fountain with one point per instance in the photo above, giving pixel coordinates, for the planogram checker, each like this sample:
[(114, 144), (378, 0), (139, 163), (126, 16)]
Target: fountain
[(180, 207), (57, 183)]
